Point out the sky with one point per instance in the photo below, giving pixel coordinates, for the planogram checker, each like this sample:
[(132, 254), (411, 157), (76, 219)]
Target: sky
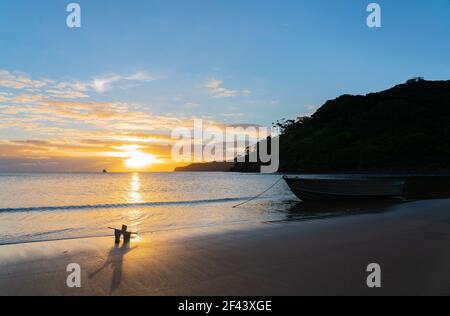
[(95, 97)]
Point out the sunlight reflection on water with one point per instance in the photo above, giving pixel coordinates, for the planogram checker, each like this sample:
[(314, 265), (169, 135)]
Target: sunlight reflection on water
[(195, 200)]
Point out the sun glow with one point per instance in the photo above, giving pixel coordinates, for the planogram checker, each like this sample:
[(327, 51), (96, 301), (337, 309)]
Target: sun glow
[(135, 158), (139, 160)]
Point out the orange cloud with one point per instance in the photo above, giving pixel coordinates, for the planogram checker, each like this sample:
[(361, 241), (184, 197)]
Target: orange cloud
[(63, 129)]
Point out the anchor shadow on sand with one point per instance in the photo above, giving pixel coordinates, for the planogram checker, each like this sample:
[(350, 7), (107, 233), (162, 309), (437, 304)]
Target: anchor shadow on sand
[(115, 260)]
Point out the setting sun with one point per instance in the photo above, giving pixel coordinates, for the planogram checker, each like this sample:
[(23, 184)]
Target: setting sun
[(139, 160), (135, 158)]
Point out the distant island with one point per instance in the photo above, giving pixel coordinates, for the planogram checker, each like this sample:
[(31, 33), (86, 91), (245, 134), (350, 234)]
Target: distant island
[(207, 167), (403, 129)]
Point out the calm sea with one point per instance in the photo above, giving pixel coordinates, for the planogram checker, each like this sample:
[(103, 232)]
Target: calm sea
[(40, 207)]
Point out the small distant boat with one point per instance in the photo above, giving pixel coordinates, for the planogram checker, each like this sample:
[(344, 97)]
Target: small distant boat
[(105, 171), (346, 188)]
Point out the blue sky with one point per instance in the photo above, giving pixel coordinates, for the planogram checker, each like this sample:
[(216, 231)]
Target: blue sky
[(292, 53), (233, 61)]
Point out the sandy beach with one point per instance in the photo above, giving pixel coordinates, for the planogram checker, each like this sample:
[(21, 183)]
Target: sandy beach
[(410, 241)]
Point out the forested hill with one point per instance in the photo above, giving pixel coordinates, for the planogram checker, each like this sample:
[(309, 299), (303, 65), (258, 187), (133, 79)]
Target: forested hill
[(406, 128), (207, 167)]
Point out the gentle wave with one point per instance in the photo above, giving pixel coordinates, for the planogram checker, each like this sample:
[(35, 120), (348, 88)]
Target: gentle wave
[(119, 205), (7, 242)]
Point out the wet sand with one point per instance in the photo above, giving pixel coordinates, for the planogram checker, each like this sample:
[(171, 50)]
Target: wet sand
[(328, 256)]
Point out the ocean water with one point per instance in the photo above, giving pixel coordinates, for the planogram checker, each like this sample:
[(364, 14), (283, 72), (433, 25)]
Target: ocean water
[(42, 207)]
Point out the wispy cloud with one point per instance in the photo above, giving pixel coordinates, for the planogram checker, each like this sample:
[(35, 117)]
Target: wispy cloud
[(246, 92), (105, 83), (71, 90), (216, 89), (99, 84), (62, 127), (67, 93), (20, 81)]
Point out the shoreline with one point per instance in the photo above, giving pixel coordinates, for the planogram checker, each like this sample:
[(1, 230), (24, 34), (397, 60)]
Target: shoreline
[(326, 256)]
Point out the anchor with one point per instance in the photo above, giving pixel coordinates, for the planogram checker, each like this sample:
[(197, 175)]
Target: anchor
[(126, 234)]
